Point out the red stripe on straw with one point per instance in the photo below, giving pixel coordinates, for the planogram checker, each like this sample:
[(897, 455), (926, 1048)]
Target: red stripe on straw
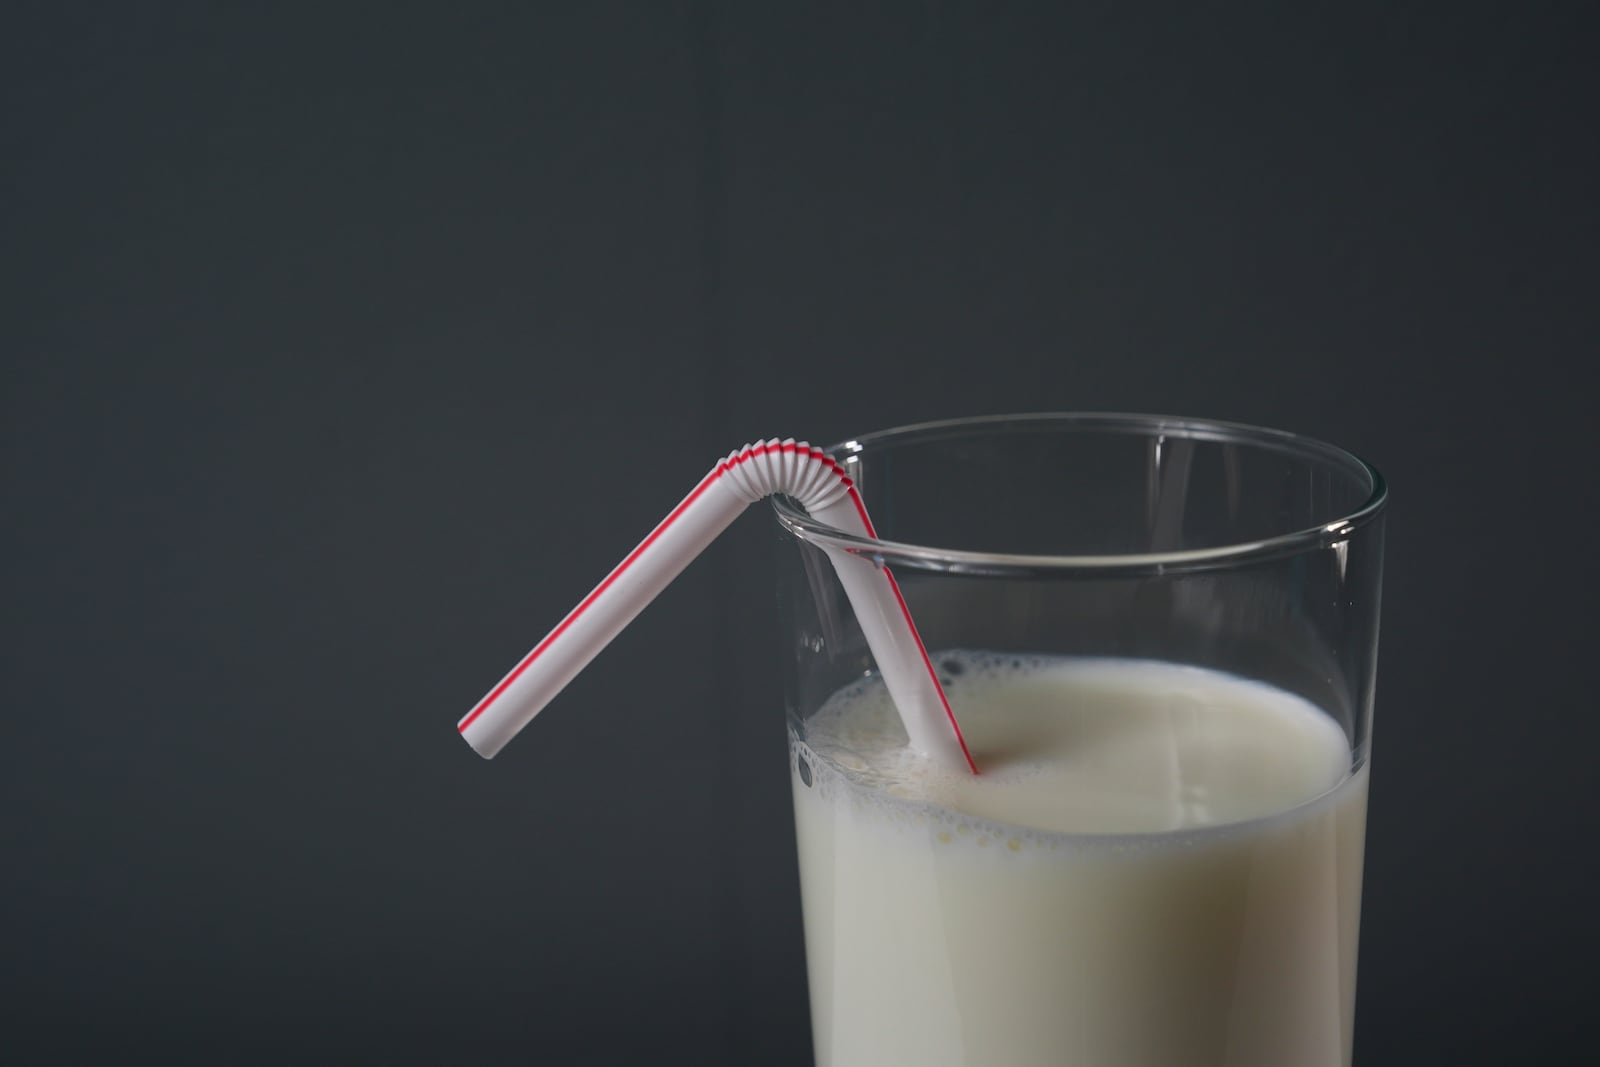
[(572, 616), (928, 663), (861, 509)]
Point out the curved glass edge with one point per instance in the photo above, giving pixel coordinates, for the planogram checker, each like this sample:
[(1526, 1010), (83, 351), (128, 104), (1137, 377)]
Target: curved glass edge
[(963, 561)]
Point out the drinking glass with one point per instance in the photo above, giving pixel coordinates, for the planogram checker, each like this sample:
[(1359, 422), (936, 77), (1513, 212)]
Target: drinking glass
[(1190, 562)]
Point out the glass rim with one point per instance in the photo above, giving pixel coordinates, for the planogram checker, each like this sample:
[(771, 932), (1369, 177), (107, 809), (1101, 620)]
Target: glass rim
[(968, 561)]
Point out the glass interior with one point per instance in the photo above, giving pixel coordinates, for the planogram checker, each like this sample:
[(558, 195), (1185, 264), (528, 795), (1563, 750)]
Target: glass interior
[(1230, 547)]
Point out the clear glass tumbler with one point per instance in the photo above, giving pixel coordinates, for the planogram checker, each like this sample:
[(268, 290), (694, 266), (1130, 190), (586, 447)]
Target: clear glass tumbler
[(1159, 636)]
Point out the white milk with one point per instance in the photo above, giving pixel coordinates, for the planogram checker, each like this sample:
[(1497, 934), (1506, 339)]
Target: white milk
[(1159, 866)]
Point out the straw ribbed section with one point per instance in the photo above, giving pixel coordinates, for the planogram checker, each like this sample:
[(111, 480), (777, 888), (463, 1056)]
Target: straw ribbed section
[(787, 466)]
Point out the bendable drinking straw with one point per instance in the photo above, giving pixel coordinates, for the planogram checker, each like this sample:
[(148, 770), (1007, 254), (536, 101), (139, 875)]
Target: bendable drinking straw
[(755, 471)]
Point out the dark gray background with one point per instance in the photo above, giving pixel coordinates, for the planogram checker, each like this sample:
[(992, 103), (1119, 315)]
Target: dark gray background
[(345, 346)]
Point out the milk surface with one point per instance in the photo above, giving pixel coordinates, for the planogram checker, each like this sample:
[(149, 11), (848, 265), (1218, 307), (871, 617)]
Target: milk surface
[(1159, 866)]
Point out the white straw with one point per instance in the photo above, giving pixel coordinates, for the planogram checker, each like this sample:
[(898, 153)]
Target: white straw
[(821, 487)]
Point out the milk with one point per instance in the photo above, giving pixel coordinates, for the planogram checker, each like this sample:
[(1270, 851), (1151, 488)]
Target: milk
[(1159, 866)]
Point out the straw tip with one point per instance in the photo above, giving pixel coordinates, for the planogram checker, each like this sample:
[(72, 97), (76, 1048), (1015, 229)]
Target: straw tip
[(486, 746)]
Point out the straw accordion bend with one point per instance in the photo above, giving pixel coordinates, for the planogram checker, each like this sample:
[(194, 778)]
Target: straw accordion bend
[(747, 475), (791, 467)]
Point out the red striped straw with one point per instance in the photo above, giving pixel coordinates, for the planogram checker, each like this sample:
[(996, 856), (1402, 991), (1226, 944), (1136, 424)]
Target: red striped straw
[(753, 472)]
